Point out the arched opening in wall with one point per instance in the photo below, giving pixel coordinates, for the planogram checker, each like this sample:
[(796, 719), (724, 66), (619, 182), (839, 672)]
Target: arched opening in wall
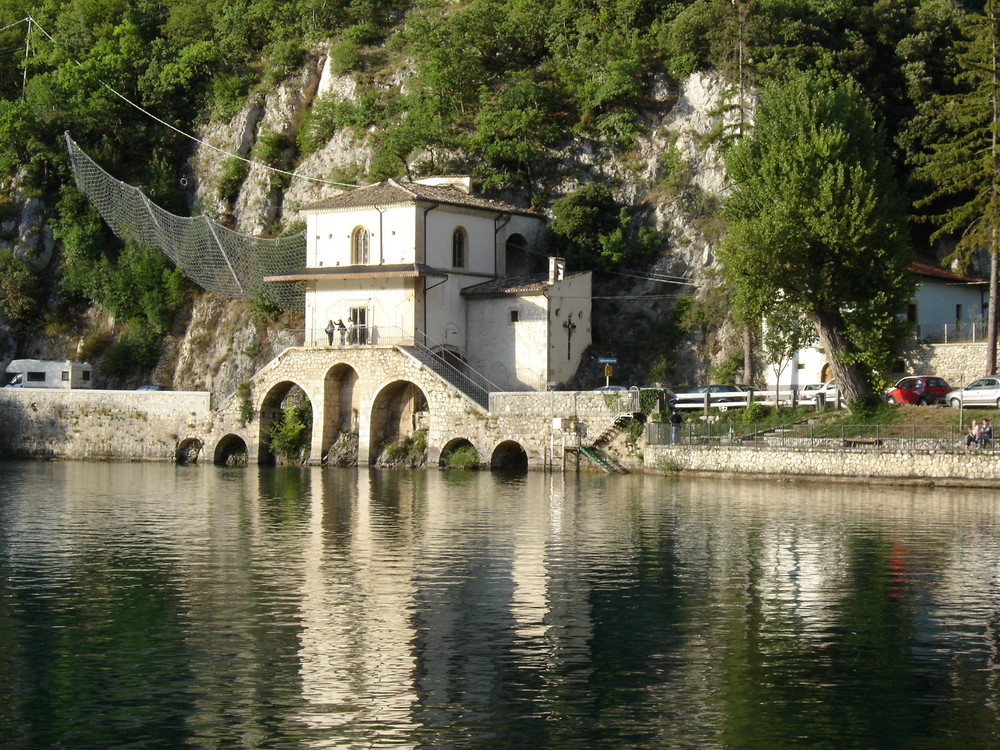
[(231, 450), (399, 422), (342, 403), (509, 456), (459, 453), (286, 420), (519, 261), (826, 374), (188, 451)]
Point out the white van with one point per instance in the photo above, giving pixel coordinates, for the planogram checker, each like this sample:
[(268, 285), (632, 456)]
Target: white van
[(40, 373)]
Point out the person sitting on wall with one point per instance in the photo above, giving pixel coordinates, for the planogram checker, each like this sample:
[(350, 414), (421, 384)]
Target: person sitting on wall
[(985, 436), (973, 436)]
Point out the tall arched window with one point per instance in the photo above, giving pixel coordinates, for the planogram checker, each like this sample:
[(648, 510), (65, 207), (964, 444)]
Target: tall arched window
[(359, 246), (458, 248)]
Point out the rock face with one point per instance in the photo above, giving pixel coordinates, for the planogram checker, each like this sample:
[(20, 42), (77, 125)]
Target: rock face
[(224, 346)]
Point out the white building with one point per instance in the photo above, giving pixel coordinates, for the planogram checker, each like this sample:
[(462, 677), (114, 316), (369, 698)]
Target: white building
[(945, 307), (428, 261)]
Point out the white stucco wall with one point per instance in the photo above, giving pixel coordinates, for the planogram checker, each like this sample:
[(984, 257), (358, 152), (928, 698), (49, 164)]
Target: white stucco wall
[(391, 305), (936, 306), (511, 354), (392, 236), (571, 296)]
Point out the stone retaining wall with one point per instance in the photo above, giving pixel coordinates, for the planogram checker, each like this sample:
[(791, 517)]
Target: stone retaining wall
[(956, 363), (109, 425), (854, 463)]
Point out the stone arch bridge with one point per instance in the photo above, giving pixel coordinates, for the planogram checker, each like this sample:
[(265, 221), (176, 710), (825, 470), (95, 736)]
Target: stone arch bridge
[(384, 393), (379, 393)]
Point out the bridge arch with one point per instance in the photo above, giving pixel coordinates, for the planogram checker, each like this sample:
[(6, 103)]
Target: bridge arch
[(395, 414), (271, 410), (188, 451), (231, 450), (458, 444), (341, 403), (509, 454)]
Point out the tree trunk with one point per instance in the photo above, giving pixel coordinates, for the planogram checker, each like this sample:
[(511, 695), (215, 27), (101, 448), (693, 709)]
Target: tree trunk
[(991, 316), (749, 370), (851, 380)]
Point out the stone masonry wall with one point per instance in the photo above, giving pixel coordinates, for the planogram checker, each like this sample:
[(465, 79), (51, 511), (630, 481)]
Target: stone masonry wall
[(118, 425), (956, 363), (969, 467)]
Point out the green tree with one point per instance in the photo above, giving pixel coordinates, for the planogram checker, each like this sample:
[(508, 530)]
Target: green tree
[(963, 165), (818, 224), (594, 231)]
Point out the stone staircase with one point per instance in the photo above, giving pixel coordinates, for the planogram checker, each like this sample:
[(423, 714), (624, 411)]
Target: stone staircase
[(473, 386)]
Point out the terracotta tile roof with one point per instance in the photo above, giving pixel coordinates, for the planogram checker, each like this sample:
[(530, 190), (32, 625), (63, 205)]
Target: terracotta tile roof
[(387, 271), (930, 270), (535, 282), (390, 193)]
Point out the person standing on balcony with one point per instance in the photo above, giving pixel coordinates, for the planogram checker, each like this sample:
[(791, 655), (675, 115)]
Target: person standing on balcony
[(330, 330)]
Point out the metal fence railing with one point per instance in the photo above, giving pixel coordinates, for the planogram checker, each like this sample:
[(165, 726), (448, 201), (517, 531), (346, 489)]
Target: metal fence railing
[(834, 437), (951, 333)]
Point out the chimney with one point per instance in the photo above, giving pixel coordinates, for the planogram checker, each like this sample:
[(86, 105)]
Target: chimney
[(557, 269)]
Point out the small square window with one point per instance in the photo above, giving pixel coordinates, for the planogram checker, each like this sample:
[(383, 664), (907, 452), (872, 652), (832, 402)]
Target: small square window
[(515, 315), (65, 376)]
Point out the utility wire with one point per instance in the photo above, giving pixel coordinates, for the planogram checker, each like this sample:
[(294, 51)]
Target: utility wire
[(177, 130)]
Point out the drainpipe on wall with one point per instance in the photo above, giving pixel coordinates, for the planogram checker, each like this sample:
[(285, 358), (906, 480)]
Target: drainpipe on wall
[(423, 326), (496, 231), (381, 245)]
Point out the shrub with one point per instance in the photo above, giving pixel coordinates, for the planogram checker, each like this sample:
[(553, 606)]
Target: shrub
[(243, 390), (463, 457), (289, 435)]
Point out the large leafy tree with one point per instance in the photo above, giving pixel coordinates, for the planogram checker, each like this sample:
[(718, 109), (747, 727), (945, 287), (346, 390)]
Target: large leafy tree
[(818, 225), (963, 164)]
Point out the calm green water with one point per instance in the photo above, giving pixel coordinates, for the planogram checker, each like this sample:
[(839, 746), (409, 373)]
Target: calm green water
[(149, 606)]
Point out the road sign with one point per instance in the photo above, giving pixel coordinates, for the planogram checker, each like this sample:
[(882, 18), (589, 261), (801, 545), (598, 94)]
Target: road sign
[(607, 360)]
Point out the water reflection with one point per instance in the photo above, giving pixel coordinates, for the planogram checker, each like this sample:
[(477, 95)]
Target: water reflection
[(161, 606)]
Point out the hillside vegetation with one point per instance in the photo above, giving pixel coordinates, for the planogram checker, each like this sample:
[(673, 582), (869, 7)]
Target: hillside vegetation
[(501, 89)]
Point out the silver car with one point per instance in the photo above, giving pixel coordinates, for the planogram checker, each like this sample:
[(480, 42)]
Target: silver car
[(982, 392)]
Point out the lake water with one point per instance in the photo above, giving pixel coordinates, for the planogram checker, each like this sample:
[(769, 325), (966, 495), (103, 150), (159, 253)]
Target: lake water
[(156, 606)]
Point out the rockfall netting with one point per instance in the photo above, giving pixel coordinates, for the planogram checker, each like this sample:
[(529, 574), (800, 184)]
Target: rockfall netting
[(213, 257)]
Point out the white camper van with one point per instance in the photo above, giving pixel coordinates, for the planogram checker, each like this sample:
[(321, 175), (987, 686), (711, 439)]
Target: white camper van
[(40, 373)]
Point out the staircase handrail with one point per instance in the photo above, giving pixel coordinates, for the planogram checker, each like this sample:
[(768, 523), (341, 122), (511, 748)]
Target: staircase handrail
[(471, 374)]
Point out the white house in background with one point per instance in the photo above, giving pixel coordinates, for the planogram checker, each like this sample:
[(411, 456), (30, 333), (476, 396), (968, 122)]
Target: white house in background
[(431, 262), (946, 307)]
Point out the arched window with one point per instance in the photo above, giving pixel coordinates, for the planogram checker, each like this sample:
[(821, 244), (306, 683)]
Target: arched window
[(458, 248), (518, 260), (359, 246)]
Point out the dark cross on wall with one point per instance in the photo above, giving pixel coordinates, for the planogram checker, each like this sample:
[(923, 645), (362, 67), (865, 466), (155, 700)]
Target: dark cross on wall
[(570, 326)]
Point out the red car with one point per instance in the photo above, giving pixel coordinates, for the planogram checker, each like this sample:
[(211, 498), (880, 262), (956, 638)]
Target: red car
[(922, 390)]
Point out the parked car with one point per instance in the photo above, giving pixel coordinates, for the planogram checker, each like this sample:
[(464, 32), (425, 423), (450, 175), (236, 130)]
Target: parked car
[(922, 390), (982, 392), (722, 397), (809, 393)]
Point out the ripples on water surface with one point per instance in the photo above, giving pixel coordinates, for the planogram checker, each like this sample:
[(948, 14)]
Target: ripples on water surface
[(149, 606)]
